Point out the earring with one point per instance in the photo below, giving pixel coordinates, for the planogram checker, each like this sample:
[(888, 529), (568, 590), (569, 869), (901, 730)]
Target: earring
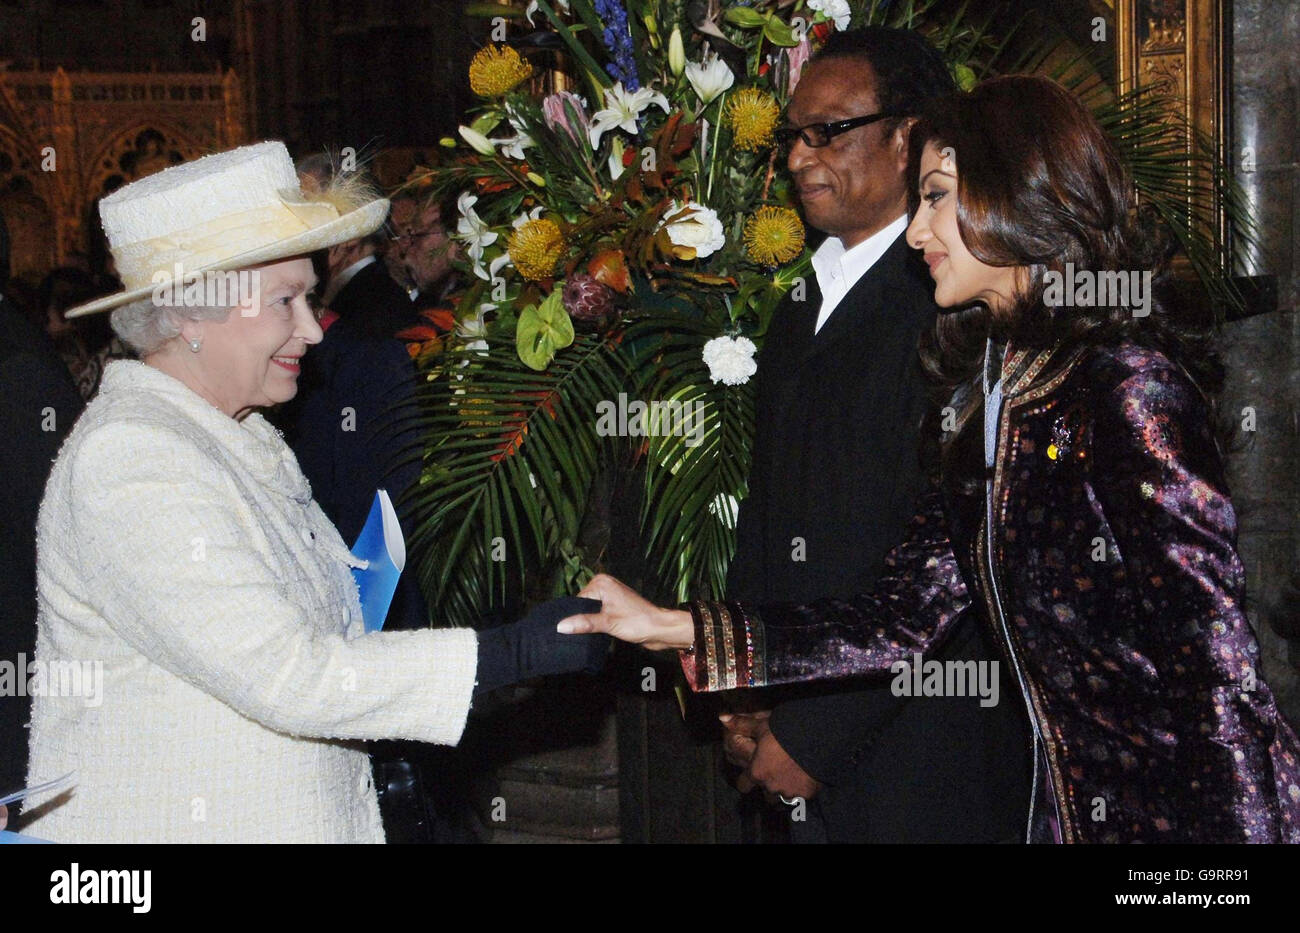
[(195, 344)]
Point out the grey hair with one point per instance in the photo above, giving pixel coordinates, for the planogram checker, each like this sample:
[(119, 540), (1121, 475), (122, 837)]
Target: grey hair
[(146, 325)]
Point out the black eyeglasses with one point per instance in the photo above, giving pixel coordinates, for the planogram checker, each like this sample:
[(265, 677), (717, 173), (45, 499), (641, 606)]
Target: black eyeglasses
[(817, 135)]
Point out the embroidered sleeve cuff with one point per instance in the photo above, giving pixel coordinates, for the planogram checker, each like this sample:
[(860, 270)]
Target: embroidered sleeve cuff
[(728, 650)]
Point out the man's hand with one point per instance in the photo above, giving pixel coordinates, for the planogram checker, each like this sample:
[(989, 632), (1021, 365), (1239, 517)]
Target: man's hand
[(741, 742), (750, 744)]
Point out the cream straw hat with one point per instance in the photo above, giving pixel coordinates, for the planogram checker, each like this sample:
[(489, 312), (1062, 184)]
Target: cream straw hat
[(221, 212)]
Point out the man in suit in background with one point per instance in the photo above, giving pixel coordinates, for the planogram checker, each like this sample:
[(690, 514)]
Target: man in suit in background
[(836, 474), (360, 291), (38, 404)]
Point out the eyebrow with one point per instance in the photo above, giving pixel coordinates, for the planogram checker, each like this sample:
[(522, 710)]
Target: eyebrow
[(932, 172)]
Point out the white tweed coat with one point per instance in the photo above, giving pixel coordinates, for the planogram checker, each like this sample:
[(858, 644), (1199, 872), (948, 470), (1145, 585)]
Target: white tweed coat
[(183, 551)]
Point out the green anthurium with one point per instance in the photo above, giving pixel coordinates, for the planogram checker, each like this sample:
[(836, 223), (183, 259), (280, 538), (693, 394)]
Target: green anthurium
[(778, 32), (963, 76), (745, 18), (542, 330)]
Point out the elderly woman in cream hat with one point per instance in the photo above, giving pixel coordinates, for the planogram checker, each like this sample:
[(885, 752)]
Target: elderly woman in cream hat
[(181, 555)]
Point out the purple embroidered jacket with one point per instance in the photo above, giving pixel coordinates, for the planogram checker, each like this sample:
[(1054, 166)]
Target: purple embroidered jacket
[(1110, 575)]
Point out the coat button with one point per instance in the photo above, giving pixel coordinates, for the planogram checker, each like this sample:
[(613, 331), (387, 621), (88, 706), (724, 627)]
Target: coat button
[(309, 537)]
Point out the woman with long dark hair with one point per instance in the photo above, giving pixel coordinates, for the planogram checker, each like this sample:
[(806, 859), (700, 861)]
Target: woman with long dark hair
[(1082, 508)]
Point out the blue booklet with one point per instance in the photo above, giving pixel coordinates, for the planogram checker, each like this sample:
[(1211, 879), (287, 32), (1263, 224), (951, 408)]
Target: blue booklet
[(381, 543)]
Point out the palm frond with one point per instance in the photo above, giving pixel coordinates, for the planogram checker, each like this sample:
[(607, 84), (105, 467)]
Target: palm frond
[(510, 450), (696, 478)]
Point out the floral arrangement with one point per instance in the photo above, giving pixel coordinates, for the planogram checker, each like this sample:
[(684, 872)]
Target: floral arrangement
[(661, 177), (626, 229), (627, 232)]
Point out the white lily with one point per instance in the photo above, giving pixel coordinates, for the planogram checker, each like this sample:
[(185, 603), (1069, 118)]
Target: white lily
[(477, 141), (836, 10), (472, 330), (616, 158), (473, 232), (495, 266), (710, 77), (622, 110), (526, 216), (515, 145)]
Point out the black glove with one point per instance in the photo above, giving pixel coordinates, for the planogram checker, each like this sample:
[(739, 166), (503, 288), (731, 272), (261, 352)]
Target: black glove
[(532, 647)]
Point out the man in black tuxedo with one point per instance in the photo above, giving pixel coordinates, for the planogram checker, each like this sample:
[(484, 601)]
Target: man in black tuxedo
[(836, 474), (38, 405)]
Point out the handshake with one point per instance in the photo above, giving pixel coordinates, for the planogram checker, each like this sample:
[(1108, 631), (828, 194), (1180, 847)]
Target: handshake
[(570, 634), (624, 615), (748, 741)]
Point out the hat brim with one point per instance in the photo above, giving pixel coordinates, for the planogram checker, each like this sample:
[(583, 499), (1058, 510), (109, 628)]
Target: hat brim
[(356, 223)]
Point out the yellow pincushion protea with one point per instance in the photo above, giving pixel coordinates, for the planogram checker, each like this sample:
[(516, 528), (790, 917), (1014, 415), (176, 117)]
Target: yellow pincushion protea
[(753, 115), (773, 236), (536, 248), (494, 70)]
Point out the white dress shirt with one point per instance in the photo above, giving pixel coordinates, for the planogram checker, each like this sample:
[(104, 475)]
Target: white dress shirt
[(838, 269)]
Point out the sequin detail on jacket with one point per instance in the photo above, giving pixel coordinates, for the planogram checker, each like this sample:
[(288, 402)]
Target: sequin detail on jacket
[(1114, 574)]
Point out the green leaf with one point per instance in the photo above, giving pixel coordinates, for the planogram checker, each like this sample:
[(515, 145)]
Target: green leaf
[(509, 453), (964, 76), (486, 123), (542, 330), (745, 18), (778, 32)]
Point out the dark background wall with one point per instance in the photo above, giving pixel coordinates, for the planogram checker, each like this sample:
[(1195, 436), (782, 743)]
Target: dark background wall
[(1263, 352), (315, 72)]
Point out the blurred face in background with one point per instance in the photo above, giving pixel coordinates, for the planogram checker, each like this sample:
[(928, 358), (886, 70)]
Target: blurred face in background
[(429, 251), (399, 220)]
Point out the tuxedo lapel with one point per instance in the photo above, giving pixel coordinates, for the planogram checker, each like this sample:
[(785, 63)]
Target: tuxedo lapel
[(790, 333)]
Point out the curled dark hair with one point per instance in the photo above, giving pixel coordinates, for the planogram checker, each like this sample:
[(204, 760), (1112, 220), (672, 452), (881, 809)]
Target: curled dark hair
[(1040, 186)]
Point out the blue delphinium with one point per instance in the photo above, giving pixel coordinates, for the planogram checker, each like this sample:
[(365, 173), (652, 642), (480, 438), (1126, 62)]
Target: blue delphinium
[(618, 40)]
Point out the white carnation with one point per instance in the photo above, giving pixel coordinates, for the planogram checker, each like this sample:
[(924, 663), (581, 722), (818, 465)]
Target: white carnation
[(700, 229), (730, 360), (837, 10)]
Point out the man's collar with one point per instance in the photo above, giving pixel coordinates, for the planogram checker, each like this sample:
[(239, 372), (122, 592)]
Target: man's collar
[(340, 281), (833, 261), (832, 257)]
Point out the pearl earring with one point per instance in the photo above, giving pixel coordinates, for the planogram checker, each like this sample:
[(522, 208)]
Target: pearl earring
[(195, 344)]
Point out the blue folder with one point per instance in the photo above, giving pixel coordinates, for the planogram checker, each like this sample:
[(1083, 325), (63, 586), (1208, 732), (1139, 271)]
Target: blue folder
[(380, 543)]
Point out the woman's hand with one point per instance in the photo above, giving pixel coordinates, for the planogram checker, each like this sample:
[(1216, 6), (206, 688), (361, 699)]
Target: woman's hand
[(628, 617)]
